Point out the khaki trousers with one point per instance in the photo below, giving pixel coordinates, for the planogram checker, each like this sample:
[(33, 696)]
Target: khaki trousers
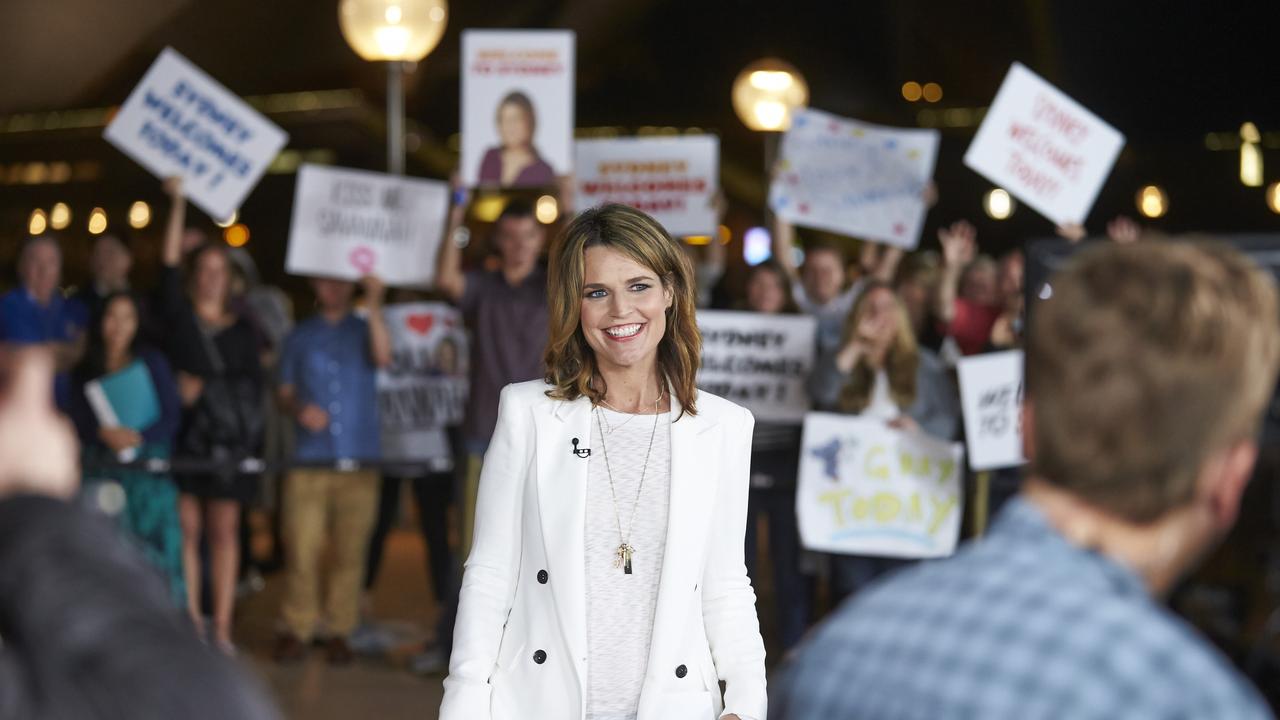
[(344, 505)]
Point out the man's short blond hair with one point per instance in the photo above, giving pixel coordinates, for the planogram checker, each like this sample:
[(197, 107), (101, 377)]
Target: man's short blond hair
[(1146, 359)]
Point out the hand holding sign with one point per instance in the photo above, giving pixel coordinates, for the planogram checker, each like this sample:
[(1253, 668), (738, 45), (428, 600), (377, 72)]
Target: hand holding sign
[(991, 395)]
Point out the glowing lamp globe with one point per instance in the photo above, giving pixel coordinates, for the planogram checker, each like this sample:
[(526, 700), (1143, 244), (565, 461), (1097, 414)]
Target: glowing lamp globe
[(393, 30), (767, 92)]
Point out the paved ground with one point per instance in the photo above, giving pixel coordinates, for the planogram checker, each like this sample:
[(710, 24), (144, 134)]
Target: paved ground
[(370, 688)]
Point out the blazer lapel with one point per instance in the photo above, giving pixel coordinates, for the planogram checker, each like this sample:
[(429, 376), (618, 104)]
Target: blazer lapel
[(695, 475), (564, 444)]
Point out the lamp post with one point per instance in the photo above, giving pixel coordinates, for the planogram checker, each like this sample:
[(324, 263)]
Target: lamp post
[(395, 32), (765, 95)]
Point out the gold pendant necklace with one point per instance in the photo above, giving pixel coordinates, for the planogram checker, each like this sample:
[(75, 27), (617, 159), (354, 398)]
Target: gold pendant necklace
[(622, 556)]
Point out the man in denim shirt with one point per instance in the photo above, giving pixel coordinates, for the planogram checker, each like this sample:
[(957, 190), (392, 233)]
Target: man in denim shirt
[(328, 383), (35, 313), (1148, 370)]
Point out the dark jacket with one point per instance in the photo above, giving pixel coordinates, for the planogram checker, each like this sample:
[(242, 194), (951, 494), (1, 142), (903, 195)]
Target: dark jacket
[(89, 631)]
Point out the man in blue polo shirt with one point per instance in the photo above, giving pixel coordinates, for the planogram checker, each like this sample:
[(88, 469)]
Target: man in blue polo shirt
[(328, 384), (1147, 374), (35, 313)]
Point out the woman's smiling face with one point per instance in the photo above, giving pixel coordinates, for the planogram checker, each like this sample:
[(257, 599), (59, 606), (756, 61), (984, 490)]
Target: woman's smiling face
[(624, 308)]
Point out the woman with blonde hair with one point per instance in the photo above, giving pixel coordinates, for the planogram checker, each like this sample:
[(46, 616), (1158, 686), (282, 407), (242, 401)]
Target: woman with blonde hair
[(881, 372), (606, 578)]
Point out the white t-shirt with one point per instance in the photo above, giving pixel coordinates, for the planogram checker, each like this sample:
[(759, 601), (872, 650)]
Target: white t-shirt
[(620, 607)]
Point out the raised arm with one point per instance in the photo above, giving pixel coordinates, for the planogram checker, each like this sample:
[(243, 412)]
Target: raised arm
[(784, 239), (450, 280), (379, 336), (959, 248), (171, 254)]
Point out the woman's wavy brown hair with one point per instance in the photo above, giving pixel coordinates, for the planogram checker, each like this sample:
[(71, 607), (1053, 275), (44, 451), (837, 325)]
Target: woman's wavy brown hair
[(901, 362), (571, 364)]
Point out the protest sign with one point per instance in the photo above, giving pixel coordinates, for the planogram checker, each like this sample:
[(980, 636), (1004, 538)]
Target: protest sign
[(1044, 147), (517, 107), (180, 122), (758, 361), (854, 178), (673, 179), (424, 390), (352, 223), (867, 489), (991, 395)]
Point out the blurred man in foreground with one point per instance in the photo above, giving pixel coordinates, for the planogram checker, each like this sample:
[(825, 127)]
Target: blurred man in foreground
[(88, 630), (1148, 371)]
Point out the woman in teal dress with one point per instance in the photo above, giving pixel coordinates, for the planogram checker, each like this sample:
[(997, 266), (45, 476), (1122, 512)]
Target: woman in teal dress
[(138, 386)]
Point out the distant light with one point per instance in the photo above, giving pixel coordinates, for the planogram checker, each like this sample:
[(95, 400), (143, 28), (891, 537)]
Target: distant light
[(404, 30), (60, 216), (59, 172), (237, 235), (35, 173), (911, 91), (97, 221), (38, 223), (546, 210), (235, 215), (770, 114), (1152, 201), (393, 14), (998, 204), (139, 215), (757, 246), (1250, 164), (1273, 197), (724, 234), (766, 92), (932, 92), (1046, 292), (1249, 133), (697, 239), (487, 208)]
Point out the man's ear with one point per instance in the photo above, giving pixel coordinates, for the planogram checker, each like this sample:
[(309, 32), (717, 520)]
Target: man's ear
[(1027, 421), (1227, 477)]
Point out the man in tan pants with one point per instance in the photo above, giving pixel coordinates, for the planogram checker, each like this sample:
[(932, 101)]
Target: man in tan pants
[(328, 383)]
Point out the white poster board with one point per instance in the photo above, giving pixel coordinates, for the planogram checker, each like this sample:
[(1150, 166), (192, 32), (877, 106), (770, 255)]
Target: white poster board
[(517, 95), (867, 489), (180, 122), (673, 179), (758, 361), (352, 223), (1044, 148), (991, 395), (854, 178), (424, 390)]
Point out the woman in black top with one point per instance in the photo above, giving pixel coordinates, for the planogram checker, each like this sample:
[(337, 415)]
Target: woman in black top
[(215, 353)]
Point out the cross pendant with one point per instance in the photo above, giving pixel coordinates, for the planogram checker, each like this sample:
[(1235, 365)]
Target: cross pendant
[(623, 558)]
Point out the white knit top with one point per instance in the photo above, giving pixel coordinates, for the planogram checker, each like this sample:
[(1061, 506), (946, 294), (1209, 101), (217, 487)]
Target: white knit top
[(620, 607)]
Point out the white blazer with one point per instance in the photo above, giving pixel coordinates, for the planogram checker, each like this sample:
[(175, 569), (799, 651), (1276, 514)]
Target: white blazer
[(520, 645)]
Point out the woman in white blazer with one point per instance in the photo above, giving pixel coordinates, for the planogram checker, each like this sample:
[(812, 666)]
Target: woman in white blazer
[(606, 579)]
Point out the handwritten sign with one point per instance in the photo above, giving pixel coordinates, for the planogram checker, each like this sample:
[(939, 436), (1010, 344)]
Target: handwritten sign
[(424, 390), (991, 395), (758, 361), (351, 223), (673, 179), (1044, 147), (517, 107), (180, 122), (867, 489), (854, 178)]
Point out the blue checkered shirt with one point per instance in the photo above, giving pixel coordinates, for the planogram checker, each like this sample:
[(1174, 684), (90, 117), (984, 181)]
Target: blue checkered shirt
[(1019, 625)]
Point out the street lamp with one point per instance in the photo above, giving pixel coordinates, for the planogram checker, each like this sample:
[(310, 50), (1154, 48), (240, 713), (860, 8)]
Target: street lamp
[(766, 92), (396, 32)]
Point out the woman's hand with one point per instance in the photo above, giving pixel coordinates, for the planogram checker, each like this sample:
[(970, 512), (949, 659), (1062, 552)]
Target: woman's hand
[(313, 418), (905, 423), (190, 388), (119, 438)]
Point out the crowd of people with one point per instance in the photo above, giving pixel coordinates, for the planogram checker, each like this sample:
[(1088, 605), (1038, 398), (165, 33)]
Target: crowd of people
[(229, 375)]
